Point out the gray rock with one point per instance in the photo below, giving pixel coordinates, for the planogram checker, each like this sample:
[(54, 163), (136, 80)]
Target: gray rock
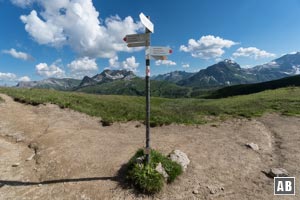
[(15, 164), (160, 169), (253, 146), (181, 158), (195, 191), (278, 172), (30, 157), (140, 159)]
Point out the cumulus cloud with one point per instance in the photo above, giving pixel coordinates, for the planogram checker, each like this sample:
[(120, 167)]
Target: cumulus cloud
[(207, 47), (83, 67), (22, 3), (129, 64), (11, 77), (24, 79), (165, 62), (7, 76), (185, 65), (18, 54), (44, 70), (76, 24), (252, 52)]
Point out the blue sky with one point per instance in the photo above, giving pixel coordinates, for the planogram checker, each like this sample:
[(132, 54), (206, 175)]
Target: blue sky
[(73, 38)]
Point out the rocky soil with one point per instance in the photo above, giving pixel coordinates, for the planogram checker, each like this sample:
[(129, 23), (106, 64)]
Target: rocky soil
[(50, 153)]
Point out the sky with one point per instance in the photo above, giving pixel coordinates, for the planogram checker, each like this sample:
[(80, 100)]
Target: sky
[(72, 38)]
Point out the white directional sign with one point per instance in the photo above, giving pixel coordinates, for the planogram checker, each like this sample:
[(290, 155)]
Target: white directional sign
[(147, 23), (133, 38), (159, 51), (138, 44)]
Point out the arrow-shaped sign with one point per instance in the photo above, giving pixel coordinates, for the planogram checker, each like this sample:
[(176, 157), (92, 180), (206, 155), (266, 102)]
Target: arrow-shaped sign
[(159, 51), (147, 23), (133, 38), (138, 44)]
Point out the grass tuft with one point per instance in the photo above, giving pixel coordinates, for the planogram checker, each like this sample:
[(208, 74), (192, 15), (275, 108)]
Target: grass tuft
[(144, 176)]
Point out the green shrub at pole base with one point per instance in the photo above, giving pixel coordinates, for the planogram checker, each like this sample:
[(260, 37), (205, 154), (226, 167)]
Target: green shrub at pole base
[(144, 176)]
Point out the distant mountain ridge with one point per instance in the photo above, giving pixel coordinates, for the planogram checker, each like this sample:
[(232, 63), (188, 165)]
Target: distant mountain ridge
[(224, 73), (173, 77), (287, 65), (227, 72), (107, 76), (51, 83), (221, 74)]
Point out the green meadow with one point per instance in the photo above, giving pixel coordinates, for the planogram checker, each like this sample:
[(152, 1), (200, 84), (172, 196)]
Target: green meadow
[(113, 108)]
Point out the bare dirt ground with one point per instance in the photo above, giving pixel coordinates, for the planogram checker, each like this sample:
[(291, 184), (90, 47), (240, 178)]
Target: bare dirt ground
[(62, 154)]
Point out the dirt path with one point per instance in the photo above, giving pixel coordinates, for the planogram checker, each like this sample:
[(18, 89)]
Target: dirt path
[(74, 157)]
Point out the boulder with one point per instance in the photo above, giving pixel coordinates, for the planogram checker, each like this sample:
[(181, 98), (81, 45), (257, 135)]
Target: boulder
[(180, 158)]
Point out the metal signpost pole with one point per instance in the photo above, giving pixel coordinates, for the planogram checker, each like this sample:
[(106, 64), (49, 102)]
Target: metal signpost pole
[(157, 53), (147, 78)]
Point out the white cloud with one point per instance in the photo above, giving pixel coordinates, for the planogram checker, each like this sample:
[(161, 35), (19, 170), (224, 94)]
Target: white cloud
[(43, 32), (185, 65), (207, 47), (11, 78), (83, 67), (43, 69), (129, 64), (24, 79), (7, 77), (18, 54), (22, 3), (252, 52), (165, 62), (77, 24)]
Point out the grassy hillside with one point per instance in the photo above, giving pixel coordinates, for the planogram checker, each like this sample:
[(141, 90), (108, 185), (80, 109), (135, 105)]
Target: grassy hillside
[(254, 88), (136, 87), (165, 111)]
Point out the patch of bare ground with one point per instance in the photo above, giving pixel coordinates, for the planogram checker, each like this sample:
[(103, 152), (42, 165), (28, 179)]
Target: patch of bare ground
[(62, 154)]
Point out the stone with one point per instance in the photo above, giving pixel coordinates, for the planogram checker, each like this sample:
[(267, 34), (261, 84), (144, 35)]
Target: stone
[(180, 158), (20, 138), (252, 146), (195, 191), (160, 169), (30, 157), (278, 172), (140, 160), (15, 164)]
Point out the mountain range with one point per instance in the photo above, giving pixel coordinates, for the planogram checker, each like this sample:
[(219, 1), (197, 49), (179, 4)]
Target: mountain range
[(177, 83)]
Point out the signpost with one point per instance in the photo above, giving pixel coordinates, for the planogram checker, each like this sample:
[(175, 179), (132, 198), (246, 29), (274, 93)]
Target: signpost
[(158, 53)]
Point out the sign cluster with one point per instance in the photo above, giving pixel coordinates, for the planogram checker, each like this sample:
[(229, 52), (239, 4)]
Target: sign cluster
[(143, 40)]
